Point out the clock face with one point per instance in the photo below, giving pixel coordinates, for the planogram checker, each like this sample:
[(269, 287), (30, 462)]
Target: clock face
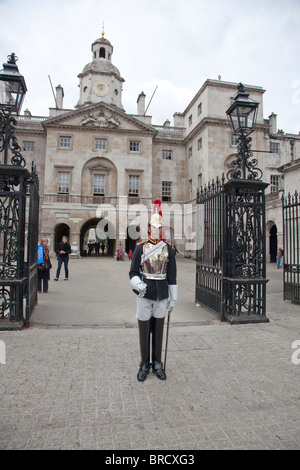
[(101, 89)]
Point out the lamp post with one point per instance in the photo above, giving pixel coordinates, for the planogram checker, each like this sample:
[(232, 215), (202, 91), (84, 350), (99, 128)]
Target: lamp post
[(244, 269), (12, 93), (242, 117)]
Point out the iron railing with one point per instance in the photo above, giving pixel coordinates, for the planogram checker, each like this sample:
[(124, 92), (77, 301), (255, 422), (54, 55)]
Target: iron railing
[(291, 247)]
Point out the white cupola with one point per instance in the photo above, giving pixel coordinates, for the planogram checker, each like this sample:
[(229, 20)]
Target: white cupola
[(100, 80)]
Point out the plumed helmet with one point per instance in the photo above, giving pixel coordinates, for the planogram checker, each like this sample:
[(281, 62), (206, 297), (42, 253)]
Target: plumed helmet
[(156, 219)]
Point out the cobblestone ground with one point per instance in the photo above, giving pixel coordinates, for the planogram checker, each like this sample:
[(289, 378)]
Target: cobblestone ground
[(227, 387)]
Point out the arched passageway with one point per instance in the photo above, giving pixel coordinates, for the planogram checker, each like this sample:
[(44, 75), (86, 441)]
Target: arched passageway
[(101, 231), (60, 231), (273, 243)]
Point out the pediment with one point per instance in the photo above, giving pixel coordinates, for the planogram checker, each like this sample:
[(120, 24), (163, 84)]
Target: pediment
[(98, 116), (99, 167)]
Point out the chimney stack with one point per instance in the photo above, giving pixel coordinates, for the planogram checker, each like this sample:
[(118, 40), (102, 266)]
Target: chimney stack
[(59, 96), (141, 104), (273, 123)]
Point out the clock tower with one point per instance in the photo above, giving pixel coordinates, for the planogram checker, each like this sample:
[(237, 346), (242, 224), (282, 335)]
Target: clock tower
[(100, 80)]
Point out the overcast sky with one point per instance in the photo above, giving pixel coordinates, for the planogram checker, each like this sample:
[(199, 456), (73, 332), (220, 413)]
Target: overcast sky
[(173, 44)]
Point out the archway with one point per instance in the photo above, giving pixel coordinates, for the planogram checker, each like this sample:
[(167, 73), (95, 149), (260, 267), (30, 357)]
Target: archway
[(104, 232), (273, 243), (60, 231)]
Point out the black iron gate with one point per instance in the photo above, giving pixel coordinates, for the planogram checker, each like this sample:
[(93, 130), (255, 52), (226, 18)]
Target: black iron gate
[(291, 247), (210, 249), (230, 260), (18, 244), (32, 243)]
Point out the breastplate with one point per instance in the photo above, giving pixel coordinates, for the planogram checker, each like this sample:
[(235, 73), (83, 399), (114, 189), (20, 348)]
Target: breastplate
[(155, 260)]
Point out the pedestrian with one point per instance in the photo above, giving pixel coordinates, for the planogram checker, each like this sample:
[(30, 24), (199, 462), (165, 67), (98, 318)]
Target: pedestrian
[(85, 249), (279, 257), (130, 255), (118, 255), (44, 268), (97, 247), (175, 249), (122, 251), (64, 249), (153, 278)]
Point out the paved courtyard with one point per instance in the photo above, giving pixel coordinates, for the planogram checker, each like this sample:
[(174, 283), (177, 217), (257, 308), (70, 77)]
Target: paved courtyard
[(69, 380)]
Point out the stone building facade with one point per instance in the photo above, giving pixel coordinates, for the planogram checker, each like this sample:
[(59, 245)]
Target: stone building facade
[(101, 168)]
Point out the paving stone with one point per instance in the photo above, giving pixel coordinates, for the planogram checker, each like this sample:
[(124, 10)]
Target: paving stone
[(228, 387)]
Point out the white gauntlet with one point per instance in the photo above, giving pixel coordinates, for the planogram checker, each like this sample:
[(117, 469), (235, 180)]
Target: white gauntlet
[(173, 296), (138, 285)]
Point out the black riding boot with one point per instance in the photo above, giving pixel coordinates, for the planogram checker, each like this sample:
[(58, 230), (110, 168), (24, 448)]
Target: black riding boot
[(144, 334), (157, 340)]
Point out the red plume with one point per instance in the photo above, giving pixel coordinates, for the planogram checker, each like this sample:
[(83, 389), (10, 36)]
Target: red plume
[(157, 205)]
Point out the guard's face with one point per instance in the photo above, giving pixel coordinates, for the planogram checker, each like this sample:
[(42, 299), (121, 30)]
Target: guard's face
[(155, 232)]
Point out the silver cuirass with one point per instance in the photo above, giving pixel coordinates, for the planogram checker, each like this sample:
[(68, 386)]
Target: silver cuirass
[(154, 261)]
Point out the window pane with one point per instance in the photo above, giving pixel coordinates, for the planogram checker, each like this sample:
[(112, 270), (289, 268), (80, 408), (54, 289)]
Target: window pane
[(166, 154), (99, 184), (28, 146), (134, 185), (100, 144), (63, 182), (134, 146), (274, 147), (65, 142), (274, 183), (166, 190), (234, 139)]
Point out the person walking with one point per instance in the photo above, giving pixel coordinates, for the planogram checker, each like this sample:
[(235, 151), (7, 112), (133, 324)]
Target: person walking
[(97, 247), (279, 257), (153, 278), (64, 249), (44, 268)]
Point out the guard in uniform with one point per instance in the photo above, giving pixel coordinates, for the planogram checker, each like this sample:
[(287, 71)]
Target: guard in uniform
[(153, 278)]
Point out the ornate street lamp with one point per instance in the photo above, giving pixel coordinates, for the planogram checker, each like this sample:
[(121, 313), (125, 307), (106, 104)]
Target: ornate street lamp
[(242, 112), (12, 93), (242, 117), (12, 86)]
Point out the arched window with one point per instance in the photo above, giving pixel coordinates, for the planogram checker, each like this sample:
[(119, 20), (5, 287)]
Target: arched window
[(102, 52)]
